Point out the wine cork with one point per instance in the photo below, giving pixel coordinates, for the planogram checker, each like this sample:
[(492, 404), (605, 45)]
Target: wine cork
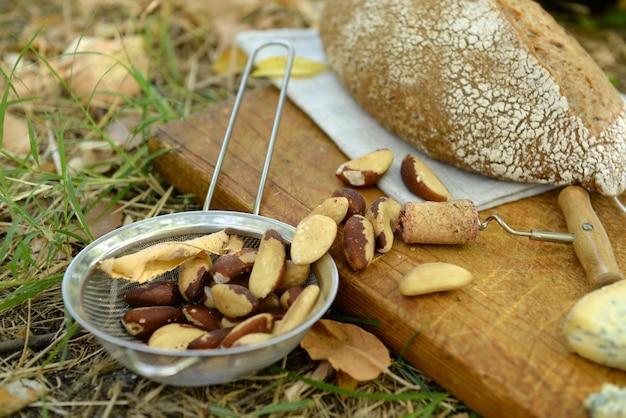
[(454, 222)]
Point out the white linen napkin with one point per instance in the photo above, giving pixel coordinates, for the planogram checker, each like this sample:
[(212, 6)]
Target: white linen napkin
[(324, 99)]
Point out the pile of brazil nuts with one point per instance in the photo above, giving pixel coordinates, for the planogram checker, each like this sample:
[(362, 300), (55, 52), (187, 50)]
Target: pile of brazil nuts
[(370, 229), (253, 294), (242, 298)]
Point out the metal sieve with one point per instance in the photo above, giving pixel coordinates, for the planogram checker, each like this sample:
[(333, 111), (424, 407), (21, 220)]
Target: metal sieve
[(96, 301)]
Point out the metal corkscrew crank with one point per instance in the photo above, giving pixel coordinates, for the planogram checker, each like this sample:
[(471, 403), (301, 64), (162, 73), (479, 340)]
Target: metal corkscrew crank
[(589, 238), (533, 234)]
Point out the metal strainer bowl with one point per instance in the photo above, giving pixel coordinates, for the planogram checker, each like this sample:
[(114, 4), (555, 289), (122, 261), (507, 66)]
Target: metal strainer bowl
[(96, 301)]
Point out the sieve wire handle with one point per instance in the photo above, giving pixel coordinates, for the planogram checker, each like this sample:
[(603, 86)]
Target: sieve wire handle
[(233, 117), (152, 370)]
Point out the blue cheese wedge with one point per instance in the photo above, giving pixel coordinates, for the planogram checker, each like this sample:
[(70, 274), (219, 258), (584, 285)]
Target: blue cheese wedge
[(610, 402), (596, 326)]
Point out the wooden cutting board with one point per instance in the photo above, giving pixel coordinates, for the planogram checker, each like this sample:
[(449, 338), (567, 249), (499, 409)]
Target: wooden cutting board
[(495, 344)]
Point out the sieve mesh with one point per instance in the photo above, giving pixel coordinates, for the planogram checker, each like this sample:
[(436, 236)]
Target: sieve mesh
[(103, 296)]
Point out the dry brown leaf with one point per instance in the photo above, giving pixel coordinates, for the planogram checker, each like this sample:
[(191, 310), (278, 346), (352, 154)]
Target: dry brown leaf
[(321, 372), (228, 18), (348, 348), (347, 382), (103, 219), (32, 81), (100, 71), (15, 136), (99, 156), (18, 394), (129, 8), (146, 264), (234, 10), (122, 131)]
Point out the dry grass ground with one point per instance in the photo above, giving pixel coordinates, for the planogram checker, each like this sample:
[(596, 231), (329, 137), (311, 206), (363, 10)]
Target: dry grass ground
[(50, 193)]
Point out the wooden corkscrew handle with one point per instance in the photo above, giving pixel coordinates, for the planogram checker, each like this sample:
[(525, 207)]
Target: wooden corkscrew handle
[(591, 243)]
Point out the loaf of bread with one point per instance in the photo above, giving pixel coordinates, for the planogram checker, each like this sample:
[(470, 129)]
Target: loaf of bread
[(496, 87)]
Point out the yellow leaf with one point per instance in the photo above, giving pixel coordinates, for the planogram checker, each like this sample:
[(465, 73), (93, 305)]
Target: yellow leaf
[(229, 61), (275, 67), (348, 348)]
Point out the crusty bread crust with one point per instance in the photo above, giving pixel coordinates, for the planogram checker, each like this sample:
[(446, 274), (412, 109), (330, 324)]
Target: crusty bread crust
[(492, 86)]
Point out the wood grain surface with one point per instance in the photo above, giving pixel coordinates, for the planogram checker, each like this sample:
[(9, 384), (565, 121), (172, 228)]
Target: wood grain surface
[(495, 344)]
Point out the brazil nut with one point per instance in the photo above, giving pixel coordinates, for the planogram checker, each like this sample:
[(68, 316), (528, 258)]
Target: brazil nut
[(203, 317), (143, 321), (356, 201), (175, 336), (269, 266), (233, 265), (259, 323), (335, 207), (158, 293), (314, 236), (295, 275), (234, 300), (210, 339), (383, 215), (358, 242), (193, 275), (299, 310)]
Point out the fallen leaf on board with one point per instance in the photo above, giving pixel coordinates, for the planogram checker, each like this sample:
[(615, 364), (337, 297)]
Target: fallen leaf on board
[(15, 136), (275, 67), (348, 348), (16, 395)]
